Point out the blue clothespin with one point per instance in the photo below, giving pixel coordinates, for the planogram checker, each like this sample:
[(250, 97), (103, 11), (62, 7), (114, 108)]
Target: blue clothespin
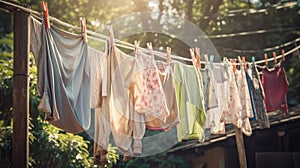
[(211, 60), (253, 60)]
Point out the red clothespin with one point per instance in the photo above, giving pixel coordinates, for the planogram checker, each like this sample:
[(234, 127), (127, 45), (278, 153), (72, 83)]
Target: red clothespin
[(244, 61), (46, 14), (168, 56), (198, 57), (234, 65), (274, 56), (266, 58), (282, 53), (192, 53), (83, 29)]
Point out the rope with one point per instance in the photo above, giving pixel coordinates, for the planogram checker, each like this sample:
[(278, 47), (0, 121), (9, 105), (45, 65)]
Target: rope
[(131, 46)]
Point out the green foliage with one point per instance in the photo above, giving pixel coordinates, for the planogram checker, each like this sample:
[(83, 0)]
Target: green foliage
[(49, 147), (293, 77), (112, 155), (5, 24), (6, 81), (59, 149), (5, 145)]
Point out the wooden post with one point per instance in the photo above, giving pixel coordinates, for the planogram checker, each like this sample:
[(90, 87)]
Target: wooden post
[(240, 146), (20, 138)]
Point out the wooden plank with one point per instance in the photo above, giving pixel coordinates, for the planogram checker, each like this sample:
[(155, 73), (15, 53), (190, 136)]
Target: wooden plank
[(240, 146), (20, 143)]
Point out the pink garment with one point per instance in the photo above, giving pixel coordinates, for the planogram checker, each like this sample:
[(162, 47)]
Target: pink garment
[(275, 85), (233, 115), (166, 79), (149, 96)]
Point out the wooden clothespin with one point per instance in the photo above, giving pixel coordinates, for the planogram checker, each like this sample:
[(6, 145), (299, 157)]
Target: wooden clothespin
[(274, 56), (111, 41), (244, 61), (266, 58), (149, 46), (233, 61), (46, 14), (168, 56), (136, 46), (83, 29), (192, 53), (198, 57), (282, 53)]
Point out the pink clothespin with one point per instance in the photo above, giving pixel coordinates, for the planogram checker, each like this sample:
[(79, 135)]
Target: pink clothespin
[(282, 53), (274, 56), (233, 61), (266, 58), (198, 57), (244, 61), (192, 53), (83, 29), (46, 14)]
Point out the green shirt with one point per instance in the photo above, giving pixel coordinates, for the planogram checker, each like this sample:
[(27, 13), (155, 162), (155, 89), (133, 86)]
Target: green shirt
[(190, 102)]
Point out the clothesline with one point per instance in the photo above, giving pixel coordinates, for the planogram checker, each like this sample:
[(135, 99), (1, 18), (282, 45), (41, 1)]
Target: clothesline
[(128, 45), (157, 53), (163, 55), (279, 56), (94, 33), (251, 32), (261, 50), (131, 47), (244, 12), (253, 11)]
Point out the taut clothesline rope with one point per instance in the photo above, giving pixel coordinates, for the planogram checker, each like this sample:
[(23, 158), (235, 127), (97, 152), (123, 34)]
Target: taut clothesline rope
[(262, 50), (131, 46)]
